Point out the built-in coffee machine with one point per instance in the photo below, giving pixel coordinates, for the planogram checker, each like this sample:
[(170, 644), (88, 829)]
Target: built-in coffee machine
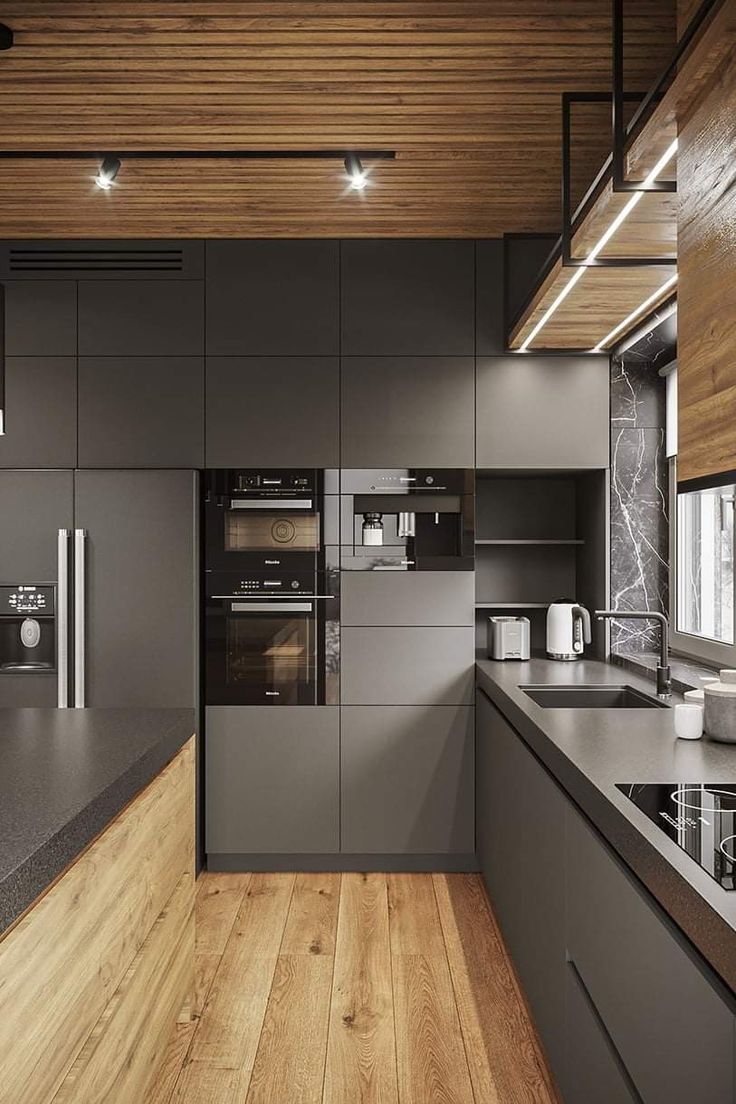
[(27, 627), (407, 519)]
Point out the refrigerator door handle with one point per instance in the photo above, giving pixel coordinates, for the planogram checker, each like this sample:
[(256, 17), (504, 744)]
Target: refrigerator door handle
[(79, 617), (62, 619)]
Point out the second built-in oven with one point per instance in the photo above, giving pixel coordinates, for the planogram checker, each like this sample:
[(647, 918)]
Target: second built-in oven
[(271, 617)]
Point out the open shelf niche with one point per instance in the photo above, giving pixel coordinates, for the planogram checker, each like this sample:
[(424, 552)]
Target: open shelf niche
[(540, 536)]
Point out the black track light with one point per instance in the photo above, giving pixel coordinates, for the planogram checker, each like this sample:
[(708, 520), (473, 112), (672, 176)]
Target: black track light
[(109, 169), (6, 36), (355, 171)]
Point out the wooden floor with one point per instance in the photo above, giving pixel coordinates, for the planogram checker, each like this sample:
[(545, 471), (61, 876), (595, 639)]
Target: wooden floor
[(351, 989)]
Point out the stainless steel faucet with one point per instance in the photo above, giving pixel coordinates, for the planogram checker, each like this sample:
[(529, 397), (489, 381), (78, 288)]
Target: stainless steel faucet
[(664, 674)]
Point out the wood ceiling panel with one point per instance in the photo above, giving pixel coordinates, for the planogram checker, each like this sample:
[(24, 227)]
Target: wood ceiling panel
[(466, 91)]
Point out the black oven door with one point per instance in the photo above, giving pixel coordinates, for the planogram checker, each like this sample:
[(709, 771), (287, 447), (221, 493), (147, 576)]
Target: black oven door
[(262, 651)]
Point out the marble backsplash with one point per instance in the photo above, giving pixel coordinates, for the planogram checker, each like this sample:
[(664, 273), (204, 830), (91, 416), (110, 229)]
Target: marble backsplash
[(639, 500)]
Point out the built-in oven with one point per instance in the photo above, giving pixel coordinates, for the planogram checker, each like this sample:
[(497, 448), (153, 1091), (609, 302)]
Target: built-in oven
[(271, 593)]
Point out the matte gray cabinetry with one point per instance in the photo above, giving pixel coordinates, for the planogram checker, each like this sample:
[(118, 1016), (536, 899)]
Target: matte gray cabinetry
[(141, 318), (520, 832), (407, 666), (141, 579), (408, 297), (407, 780), (673, 1028), (40, 318), (596, 1071), (141, 412), (490, 338), (272, 780), (272, 298), (277, 411), (542, 412), (41, 412), (407, 598), (407, 412)]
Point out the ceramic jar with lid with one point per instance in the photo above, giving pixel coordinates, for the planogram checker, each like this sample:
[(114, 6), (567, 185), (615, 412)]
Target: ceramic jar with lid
[(720, 708)]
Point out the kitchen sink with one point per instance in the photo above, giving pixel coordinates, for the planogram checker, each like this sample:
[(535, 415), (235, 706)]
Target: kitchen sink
[(592, 697)]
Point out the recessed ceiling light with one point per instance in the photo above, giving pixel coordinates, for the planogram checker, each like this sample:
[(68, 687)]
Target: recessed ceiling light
[(108, 170), (356, 173)]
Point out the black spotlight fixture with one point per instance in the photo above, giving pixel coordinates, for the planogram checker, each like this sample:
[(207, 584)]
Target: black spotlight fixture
[(356, 173), (6, 36), (108, 170)]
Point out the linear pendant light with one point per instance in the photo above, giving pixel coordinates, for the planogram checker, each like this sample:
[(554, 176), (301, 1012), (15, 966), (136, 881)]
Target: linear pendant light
[(601, 244), (637, 311)]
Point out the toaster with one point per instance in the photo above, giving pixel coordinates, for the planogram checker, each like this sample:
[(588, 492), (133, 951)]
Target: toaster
[(508, 638)]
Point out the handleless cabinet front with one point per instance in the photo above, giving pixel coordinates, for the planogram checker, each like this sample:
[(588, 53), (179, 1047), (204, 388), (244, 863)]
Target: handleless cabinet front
[(40, 318), (407, 666), (408, 598), (141, 317), (41, 412)]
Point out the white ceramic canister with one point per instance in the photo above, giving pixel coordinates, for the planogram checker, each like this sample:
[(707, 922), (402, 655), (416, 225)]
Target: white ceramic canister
[(720, 708)]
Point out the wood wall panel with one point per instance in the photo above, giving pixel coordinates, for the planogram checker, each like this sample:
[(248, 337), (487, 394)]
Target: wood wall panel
[(707, 291), (466, 91)]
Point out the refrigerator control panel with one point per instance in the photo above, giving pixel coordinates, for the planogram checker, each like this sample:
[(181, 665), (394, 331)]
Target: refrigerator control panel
[(26, 598)]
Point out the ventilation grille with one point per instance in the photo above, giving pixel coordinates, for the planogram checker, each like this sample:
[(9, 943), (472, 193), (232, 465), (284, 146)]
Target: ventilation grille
[(72, 260)]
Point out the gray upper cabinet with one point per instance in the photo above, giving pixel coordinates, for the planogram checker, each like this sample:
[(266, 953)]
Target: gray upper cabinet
[(40, 318), (34, 505), (490, 339), (141, 412), (273, 411), (542, 412), (407, 780), (41, 412), (408, 298), (407, 412), (141, 317), (272, 298)]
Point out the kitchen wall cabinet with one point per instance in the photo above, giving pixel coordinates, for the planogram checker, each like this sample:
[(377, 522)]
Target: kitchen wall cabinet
[(272, 298), (141, 582), (542, 412), (407, 780), (141, 317), (272, 780), (40, 318), (141, 412), (407, 412), (278, 411), (408, 298), (41, 406), (407, 598), (407, 666)]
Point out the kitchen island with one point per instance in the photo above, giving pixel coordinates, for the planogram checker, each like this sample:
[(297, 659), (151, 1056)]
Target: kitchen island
[(96, 898)]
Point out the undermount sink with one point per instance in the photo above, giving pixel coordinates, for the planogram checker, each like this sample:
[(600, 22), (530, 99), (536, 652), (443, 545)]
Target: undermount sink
[(591, 697)]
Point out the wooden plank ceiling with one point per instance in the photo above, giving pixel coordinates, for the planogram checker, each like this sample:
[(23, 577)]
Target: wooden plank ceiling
[(466, 91)]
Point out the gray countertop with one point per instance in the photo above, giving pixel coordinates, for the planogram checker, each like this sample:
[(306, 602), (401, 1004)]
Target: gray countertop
[(64, 775), (588, 751)]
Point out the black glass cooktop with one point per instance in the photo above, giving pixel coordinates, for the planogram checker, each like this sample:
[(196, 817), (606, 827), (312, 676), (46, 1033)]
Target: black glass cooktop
[(699, 817)]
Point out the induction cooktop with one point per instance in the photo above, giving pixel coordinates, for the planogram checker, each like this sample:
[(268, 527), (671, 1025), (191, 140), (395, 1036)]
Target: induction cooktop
[(699, 817)]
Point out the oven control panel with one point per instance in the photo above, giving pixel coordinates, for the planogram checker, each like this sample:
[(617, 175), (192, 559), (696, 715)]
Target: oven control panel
[(24, 599)]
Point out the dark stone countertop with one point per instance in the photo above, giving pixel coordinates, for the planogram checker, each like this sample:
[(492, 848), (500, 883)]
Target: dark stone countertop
[(64, 775), (588, 751)]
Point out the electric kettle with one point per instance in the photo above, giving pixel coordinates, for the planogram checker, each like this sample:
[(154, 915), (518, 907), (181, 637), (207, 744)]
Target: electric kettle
[(568, 629)]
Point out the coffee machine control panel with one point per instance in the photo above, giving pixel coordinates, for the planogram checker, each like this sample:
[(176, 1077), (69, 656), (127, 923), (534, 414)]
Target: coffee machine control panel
[(26, 599)]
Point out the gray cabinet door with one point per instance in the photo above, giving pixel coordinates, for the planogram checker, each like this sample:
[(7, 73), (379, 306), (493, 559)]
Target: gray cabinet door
[(141, 412), (277, 411), (542, 412), (272, 780), (408, 298), (141, 318), (593, 1069), (40, 413), (40, 318), (490, 338), (407, 780), (407, 412), (272, 298), (141, 583), (407, 666), (668, 1021), (520, 840), (407, 598), (34, 505)]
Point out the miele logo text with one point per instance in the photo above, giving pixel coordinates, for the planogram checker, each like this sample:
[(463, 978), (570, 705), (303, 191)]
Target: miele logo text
[(272, 563)]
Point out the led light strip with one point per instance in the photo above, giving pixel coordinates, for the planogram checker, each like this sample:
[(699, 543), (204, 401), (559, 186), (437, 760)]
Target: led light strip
[(641, 309), (601, 244)]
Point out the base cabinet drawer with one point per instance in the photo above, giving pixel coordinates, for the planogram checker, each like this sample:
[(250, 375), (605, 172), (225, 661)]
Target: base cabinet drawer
[(272, 779), (593, 1070), (671, 1023)]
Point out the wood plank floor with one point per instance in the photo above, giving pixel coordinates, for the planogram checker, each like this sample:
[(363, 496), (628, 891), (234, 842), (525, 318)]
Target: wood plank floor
[(351, 989)]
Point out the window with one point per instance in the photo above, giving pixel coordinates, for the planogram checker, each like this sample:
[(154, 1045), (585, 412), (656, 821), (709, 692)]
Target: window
[(705, 564)]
